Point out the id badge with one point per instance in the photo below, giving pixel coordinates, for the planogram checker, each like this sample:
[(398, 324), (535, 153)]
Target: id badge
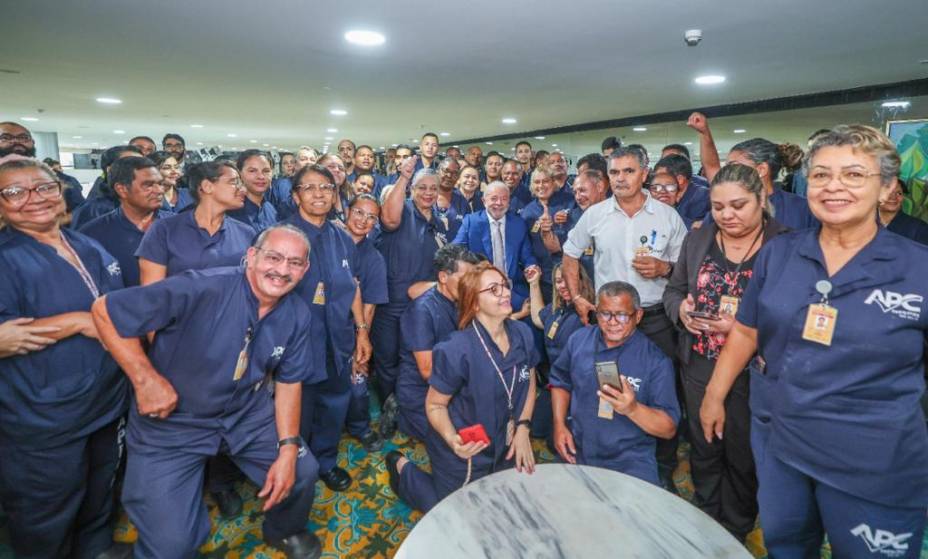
[(605, 410), (643, 250), (537, 227), (820, 324), (510, 430), (588, 251), (552, 330), (729, 305), (319, 297)]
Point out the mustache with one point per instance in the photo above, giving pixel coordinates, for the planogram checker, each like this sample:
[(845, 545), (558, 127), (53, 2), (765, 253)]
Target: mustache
[(275, 276)]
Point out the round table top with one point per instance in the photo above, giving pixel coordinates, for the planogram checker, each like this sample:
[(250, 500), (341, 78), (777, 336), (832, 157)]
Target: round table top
[(563, 510)]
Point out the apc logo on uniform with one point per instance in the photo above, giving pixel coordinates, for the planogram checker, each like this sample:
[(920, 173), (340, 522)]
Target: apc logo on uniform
[(903, 306), (114, 269), (278, 352), (882, 541)]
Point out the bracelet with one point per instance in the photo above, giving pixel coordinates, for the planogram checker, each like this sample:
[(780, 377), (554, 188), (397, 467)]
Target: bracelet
[(289, 440), (526, 422), (362, 326)]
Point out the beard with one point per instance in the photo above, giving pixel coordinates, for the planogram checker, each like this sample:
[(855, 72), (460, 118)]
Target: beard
[(18, 149)]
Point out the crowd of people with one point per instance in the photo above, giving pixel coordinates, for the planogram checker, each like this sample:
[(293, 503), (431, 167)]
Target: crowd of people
[(186, 325)]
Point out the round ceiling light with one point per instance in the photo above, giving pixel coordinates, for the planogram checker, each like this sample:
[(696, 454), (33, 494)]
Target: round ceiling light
[(365, 38)]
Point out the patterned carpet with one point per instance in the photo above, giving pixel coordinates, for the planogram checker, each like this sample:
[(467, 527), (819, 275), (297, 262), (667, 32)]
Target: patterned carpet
[(366, 522)]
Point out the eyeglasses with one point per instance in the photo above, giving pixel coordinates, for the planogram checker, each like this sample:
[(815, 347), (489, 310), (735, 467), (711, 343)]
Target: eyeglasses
[(19, 196), (276, 259), (236, 183), (618, 317), (669, 188), (313, 188), (497, 289), (853, 178), (426, 188), (357, 212), (22, 138)]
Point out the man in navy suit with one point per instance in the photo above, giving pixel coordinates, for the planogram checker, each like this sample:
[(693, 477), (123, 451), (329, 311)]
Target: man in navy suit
[(501, 236)]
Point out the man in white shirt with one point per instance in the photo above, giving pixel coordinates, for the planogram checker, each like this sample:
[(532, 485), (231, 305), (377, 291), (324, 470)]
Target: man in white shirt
[(636, 239)]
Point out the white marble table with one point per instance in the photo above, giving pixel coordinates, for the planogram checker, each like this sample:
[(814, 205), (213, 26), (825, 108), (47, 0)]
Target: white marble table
[(566, 511)]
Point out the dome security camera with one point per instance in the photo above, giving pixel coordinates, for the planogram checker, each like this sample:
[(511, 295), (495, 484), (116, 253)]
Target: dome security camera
[(692, 37)]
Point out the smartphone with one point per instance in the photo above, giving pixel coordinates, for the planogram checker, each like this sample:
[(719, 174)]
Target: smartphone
[(703, 315), (474, 434), (607, 372)]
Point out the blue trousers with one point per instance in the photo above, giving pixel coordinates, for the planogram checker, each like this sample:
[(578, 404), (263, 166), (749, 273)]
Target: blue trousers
[(385, 337), (796, 511), (413, 422), (60, 500), (164, 487), (325, 408), (358, 421)]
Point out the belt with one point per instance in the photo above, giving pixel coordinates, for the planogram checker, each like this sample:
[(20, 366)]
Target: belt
[(654, 309)]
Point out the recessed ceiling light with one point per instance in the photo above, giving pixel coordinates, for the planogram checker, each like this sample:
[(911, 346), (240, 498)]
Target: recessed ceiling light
[(331, 130), (196, 126), (509, 120), (266, 145), (687, 143), (739, 130), (710, 79), (886, 105), (231, 135), (640, 129), (109, 100), (394, 145), (489, 143), (328, 138), (381, 147), (254, 141), (119, 131), (199, 143), (444, 133), (459, 147), (539, 137), (365, 38), (338, 112), (29, 119), (77, 137), (554, 145), (274, 147)]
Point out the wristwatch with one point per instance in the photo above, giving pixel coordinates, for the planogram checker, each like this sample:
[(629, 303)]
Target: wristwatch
[(362, 326), (526, 422), (298, 441)]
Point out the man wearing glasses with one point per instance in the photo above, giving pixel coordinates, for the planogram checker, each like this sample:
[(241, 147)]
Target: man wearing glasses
[(204, 388), (614, 423), (690, 199)]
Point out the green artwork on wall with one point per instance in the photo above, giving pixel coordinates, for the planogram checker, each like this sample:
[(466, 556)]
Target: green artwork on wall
[(911, 139)]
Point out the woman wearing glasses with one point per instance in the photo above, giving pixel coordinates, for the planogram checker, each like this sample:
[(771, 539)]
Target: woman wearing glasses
[(838, 315), (715, 265), (201, 238), (411, 234), (483, 374), (336, 167), (175, 199), (62, 403), (334, 299), (894, 219), (617, 388)]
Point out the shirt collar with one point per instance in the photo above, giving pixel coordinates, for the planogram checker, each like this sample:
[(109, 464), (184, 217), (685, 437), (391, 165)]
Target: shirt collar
[(648, 204)]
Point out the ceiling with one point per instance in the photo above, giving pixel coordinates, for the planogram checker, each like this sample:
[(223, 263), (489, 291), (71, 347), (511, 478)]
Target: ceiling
[(269, 72)]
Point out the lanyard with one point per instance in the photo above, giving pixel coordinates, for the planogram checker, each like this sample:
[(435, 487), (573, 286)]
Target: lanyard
[(512, 385), (734, 275), (81, 270)]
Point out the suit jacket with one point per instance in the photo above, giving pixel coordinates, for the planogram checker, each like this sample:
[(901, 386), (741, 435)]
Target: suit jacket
[(475, 235), (682, 282)]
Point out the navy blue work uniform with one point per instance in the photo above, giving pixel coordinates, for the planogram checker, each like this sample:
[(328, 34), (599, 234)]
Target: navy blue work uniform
[(121, 238), (837, 432), (451, 217), (328, 289), (72, 191), (259, 217), (462, 370), (204, 320), (587, 259), (408, 251), (91, 209), (694, 205), (617, 444), (179, 243), (372, 279), (558, 325), (910, 227), (789, 209), (465, 206), (184, 200), (428, 320), (546, 259), (475, 235), (281, 196), (62, 406), (380, 181)]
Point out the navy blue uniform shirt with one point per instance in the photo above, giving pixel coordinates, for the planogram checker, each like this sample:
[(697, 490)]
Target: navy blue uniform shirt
[(372, 273), (531, 213), (409, 249), (91, 209), (587, 259), (202, 320), (184, 200), (602, 442), (258, 217), (847, 414), (71, 388), (281, 196), (329, 287), (789, 209), (910, 227), (179, 243), (558, 326), (121, 238), (694, 205)]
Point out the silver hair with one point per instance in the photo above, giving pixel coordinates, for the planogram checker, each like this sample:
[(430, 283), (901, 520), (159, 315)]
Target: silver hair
[(640, 156), (259, 240), (423, 173), (865, 139), (617, 288)]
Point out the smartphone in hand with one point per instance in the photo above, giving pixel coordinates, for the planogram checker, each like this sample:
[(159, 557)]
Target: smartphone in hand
[(607, 372)]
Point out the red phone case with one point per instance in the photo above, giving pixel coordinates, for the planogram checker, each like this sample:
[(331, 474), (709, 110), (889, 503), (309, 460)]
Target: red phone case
[(474, 433)]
